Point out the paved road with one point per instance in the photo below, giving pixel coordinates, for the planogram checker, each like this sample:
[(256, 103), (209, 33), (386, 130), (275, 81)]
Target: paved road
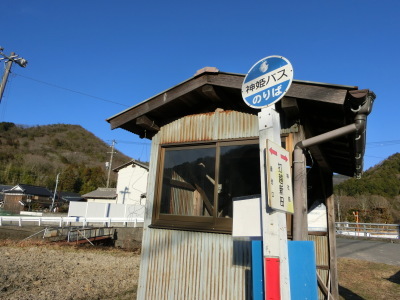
[(375, 251)]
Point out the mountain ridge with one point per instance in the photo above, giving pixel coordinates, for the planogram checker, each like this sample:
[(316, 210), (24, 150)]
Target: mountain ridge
[(36, 154), (376, 196)]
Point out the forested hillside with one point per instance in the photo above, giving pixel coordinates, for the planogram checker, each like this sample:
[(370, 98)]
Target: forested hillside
[(35, 155), (376, 196)]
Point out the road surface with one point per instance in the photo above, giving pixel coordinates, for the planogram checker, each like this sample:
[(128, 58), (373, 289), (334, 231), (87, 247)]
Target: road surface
[(375, 251)]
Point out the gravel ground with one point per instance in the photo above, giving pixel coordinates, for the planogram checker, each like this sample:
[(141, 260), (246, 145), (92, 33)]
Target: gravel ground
[(33, 270)]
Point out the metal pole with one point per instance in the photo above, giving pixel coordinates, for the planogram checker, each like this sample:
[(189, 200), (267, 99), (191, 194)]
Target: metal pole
[(5, 76), (300, 226)]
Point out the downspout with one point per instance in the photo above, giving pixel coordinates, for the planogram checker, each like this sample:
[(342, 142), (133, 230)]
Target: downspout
[(300, 226)]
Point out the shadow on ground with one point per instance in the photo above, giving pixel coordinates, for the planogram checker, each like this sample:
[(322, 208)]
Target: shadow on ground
[(395, 278), (347, 294)]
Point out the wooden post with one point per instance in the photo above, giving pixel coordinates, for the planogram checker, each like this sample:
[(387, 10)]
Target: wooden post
[(300, 226), (330, 207)]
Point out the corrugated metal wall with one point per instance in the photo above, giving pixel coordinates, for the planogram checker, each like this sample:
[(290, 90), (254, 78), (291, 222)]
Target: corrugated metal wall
[(211, 126), (322, 259), (194, 265)]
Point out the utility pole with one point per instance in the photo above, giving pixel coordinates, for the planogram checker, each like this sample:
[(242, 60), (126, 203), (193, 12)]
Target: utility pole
[(9, 61), (110, 164), (55, 193)]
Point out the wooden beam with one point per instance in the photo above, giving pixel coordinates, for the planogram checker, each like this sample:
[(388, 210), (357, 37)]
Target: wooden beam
[(210, 92), (207, 202), (290, 107), (182, 184), (317, 93), (147, 123), (330, 207), (300, 225), (156, 101), (316, 150), (324, 288)]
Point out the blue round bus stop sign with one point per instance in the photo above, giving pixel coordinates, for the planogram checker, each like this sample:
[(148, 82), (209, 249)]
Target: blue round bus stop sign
[(267, 81)]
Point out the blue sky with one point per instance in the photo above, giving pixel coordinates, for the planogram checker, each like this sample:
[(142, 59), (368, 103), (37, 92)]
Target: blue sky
[(89, 60)]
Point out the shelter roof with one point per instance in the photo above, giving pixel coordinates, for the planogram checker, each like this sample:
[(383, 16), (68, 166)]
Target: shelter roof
[(319, 107), (102, 193)]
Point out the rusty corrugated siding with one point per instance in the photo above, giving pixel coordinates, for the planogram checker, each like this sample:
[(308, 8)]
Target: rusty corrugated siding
[(211, 126), (194, 265)]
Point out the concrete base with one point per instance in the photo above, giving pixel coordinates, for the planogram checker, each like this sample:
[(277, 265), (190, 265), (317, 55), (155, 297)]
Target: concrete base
[(128, 238)]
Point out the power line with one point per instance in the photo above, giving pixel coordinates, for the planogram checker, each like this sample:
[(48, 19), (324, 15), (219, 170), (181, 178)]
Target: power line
[(383, 143), (70, 90)]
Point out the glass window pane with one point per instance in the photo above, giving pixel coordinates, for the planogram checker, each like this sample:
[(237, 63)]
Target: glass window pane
[(188, 182), (239, 175)]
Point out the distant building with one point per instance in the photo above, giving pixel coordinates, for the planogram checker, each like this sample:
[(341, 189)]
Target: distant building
[(2, 189), (132, 182), (101, 195), (69, 196), (25, 197)]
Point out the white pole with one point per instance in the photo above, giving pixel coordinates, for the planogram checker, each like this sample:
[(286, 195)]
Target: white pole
[(273, 222), (110, 165), (54, 195)]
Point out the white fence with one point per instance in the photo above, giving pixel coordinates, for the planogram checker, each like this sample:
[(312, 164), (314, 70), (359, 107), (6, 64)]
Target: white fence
[(70, 221), (86, 214), (105, 210), (375, 230)]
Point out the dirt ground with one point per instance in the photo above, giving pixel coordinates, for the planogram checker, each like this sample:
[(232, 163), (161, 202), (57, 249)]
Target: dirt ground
[(33, 270)]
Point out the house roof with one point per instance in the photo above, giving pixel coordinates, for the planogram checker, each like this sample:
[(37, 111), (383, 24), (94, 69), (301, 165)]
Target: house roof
[(132, 162), (5, 187), (102, 193), (70, 196), (29, 190), (2, 189), (319, 107)]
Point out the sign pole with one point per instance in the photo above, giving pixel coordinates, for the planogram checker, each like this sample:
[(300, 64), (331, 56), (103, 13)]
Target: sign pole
[(275, 248), (266, 83)]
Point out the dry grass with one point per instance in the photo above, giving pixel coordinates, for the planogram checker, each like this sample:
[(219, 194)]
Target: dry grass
[(68, 247), (360, 279), (357, 279), (41, 271)]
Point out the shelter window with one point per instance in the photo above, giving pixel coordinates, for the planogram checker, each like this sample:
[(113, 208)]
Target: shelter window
[(198, 182)]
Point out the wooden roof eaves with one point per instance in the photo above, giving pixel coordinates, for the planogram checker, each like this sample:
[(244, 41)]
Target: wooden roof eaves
[(156, 101), (326, 93)]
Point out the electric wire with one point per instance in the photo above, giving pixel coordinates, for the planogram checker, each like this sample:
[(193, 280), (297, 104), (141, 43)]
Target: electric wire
[(383, 143), (70, 90)]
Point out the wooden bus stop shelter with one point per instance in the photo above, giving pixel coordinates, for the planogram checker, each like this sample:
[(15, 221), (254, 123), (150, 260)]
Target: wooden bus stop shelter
[(205, 152)]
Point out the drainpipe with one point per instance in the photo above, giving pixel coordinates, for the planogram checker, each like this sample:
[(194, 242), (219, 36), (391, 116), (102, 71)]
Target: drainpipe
[(300, 224)]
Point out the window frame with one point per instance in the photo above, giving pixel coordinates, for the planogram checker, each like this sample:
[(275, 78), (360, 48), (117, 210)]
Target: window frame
[(193, 223)]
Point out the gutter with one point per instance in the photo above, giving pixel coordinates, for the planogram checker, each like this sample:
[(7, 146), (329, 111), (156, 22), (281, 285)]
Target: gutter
[(363, 101)]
